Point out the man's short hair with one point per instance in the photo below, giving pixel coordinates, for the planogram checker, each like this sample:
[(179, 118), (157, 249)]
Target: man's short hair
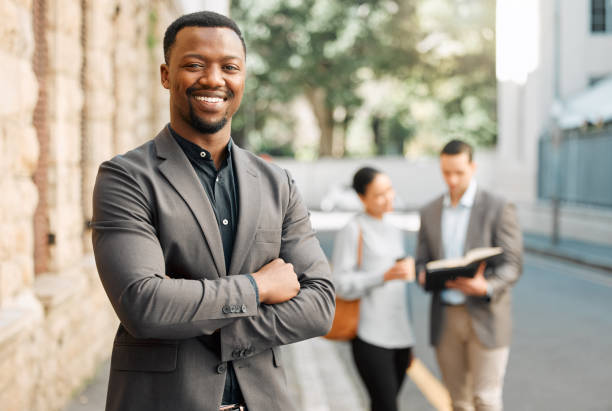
[(456, 146), (198, 19)]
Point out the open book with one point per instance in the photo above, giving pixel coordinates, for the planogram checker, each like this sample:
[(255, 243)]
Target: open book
[(439, 271)]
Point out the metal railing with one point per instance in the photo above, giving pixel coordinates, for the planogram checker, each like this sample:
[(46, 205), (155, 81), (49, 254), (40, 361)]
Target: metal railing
[(576, 169)]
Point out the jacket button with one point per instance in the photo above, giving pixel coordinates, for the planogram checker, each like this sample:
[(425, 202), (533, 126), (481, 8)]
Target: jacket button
[(226, 309), (244, 308), (234, 308), (221, 368), (236, 353)]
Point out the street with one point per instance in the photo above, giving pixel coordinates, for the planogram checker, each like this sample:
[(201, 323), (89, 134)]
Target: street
[(562, 339)]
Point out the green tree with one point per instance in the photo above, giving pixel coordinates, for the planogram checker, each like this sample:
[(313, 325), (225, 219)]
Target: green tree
[(439, 56), (323, 50), (457, 69)]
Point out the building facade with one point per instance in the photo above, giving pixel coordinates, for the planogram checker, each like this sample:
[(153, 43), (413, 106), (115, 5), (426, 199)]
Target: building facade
[(548, 52)]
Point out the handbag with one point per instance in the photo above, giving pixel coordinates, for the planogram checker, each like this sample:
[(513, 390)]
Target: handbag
[(346, 317)]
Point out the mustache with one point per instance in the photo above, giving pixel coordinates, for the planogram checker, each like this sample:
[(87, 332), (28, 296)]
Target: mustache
[(190, 90)]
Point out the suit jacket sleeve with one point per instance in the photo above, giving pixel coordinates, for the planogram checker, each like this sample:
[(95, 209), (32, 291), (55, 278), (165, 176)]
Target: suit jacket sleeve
[(508, 236), (423, 254), (307, 315), (131, 265)]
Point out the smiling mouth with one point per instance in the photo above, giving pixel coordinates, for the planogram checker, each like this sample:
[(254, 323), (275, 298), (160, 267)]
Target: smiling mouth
[(212, 100)]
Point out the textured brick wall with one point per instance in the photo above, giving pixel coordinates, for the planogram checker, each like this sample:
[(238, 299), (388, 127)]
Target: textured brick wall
[(65, 100), (81, 84), (18, 148)]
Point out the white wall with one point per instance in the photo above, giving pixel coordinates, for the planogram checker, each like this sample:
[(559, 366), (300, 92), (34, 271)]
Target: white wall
[(415, 181)]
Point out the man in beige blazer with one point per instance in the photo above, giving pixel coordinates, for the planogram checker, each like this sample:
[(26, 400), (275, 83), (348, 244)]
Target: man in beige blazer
[(206, 251), (471, 320)]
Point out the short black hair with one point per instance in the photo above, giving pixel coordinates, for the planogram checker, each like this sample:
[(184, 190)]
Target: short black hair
[(456, 146), (363, 177), (198, 19)]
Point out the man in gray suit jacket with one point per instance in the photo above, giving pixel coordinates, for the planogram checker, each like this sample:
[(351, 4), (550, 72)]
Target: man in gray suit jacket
[(206, 251), (471, 320)]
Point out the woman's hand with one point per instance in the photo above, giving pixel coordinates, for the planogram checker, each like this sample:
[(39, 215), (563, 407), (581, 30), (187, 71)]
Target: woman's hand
[(401, 270)]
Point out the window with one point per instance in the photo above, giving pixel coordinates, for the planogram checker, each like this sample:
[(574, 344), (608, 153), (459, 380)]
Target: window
[(601, 16)]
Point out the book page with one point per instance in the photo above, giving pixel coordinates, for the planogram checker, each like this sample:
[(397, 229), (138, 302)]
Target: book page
[(482, 253), (448, 263), (475, 254)]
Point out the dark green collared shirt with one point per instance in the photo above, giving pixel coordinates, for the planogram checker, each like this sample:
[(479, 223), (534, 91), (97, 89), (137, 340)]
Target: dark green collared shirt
[(220, 186)]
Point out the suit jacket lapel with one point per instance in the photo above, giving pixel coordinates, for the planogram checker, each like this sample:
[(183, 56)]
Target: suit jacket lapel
[(180, 173), (249, 206), (436, 217), (474, 229)]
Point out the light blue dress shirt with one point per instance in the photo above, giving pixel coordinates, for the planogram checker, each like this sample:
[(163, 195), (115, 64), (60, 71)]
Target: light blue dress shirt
[(455, 222)]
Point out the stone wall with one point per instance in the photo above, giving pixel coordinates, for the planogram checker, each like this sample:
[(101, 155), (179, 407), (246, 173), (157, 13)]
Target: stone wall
[(18, 149), (101, 96), (21, 313)]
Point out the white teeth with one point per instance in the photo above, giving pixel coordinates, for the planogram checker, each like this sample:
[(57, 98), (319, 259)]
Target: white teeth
[(209, 99)]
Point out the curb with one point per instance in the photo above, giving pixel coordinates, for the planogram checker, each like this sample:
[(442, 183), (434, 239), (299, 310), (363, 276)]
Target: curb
[(570, 258)]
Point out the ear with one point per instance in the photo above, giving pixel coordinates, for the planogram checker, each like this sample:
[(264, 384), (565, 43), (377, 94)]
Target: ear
[(163, 71), (362, 198)]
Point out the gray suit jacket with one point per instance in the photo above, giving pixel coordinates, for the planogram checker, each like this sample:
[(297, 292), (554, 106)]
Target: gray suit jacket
[(152, 220), (492, 223)]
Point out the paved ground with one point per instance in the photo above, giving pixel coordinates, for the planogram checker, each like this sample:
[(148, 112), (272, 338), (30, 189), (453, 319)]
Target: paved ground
[(560, 356)]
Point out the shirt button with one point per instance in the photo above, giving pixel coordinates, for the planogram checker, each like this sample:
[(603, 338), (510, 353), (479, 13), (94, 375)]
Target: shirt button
[(225, 222), (217, 179), (203, 154)]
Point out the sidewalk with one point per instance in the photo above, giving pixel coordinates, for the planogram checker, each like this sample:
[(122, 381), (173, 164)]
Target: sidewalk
[(320, 377), (590, 254)]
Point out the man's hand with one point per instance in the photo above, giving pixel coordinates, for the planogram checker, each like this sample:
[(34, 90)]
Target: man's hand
[(277, 282), (401, 270), (476, 286)]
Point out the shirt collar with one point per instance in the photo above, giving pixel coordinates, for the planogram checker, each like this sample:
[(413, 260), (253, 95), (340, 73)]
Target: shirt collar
[(467, 199), (194, 151)]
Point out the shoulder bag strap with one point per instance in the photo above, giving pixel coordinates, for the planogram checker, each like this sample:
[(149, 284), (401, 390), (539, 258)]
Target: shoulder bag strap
[(359, 248)]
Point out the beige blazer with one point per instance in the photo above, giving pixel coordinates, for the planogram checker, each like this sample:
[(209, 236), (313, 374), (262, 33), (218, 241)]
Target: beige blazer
[(493, 223), (153, 220)]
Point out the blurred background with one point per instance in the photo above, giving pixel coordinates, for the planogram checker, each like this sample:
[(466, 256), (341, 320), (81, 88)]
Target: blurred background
[(332, 85)]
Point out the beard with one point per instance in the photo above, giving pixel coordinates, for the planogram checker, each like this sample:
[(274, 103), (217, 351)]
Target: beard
[(204, 126), (201, 125)]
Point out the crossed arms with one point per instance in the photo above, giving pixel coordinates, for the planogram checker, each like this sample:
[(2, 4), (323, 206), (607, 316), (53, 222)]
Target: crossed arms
[(149, 304)]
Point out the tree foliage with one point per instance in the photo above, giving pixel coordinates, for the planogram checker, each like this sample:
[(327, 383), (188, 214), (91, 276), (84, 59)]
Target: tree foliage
[(326, 50)]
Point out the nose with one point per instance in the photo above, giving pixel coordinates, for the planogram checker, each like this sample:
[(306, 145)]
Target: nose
[(390, 197), (212, 77)]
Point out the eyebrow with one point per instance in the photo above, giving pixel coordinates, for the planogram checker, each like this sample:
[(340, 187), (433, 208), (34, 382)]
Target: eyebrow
[(201, 57)]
